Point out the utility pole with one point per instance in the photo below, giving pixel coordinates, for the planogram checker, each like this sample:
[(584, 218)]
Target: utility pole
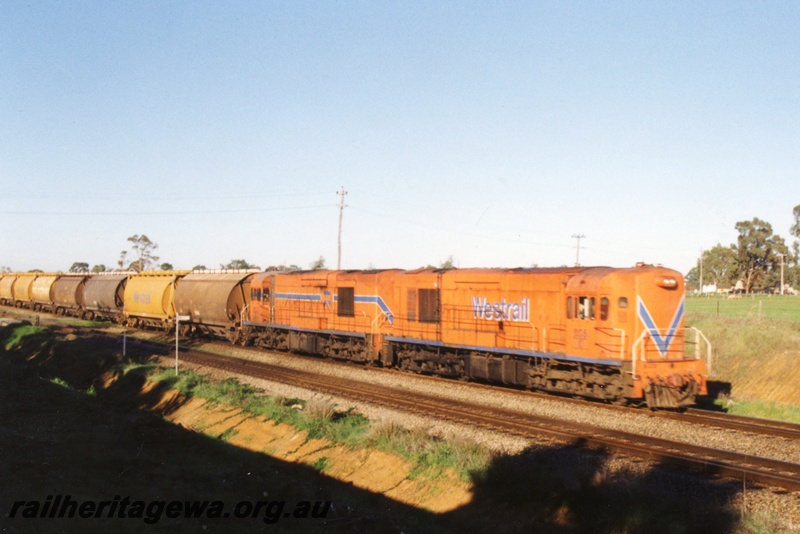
[(701, 272), (342, 206), (578, 253)]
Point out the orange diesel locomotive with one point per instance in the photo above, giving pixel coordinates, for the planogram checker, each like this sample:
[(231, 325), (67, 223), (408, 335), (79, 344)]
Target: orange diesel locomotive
[(613, 334)]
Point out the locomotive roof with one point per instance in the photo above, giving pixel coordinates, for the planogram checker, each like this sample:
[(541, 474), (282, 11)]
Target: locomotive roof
[(580, 270)]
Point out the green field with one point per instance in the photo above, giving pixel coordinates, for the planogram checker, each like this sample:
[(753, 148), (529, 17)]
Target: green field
[(756, 352), (747, 306)]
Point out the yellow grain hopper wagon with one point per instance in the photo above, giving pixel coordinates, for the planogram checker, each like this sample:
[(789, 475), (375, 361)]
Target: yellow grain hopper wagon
[(149, 299)]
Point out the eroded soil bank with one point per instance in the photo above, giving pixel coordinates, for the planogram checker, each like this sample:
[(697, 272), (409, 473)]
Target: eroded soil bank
[(372, 470)]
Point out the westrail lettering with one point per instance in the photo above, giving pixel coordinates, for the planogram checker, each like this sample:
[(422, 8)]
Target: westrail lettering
[(503, 310)]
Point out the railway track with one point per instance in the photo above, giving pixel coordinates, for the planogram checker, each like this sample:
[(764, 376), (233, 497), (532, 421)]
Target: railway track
[(753, 469), (746, 424), (752, 425)]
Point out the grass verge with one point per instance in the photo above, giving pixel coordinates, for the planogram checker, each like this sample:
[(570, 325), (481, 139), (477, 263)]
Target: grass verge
[(27, 337), (747, 306), (320, 420), (764, 410)]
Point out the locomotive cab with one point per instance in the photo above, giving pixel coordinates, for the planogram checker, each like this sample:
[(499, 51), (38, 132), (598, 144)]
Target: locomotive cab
[(664, 373), (633, 319)]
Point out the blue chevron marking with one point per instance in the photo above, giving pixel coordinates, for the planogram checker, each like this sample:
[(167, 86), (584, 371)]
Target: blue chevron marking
[(662, 342), (375, 299), (365, 299)]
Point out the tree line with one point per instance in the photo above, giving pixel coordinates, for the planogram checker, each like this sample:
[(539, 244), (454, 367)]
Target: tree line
[(757, 259), (141, 257)]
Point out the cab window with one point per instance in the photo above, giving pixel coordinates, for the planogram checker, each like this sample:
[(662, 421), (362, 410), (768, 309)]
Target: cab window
[(586, 308), (604, 303)]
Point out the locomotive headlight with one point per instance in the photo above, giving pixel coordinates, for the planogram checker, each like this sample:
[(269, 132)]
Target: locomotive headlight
[(667, 283)]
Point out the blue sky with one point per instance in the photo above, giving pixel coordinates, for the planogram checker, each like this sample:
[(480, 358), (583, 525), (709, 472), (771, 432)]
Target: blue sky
[(489, 132)]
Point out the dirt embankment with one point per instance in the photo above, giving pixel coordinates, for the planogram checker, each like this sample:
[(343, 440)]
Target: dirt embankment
[(768, 379), (753, 359), (371, 470)]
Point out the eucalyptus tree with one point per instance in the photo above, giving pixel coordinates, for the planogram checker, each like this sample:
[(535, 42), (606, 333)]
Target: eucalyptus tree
[(758, 253)]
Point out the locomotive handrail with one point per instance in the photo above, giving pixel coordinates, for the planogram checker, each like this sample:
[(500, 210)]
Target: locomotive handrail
[(636, 352), (555, 327), (622, 343), (697, 348), (604, 330), (544, 338), (241, 314), (649, 331), (533, 334), (381, 315)]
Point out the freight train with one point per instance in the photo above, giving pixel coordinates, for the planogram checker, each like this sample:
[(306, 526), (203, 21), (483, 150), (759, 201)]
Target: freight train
[(613, 334)]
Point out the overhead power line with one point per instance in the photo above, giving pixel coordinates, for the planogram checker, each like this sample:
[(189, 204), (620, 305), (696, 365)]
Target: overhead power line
[(172, 212)]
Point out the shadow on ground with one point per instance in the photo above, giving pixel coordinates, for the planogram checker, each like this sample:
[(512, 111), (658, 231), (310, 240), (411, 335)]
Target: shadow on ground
[(716, 389)]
